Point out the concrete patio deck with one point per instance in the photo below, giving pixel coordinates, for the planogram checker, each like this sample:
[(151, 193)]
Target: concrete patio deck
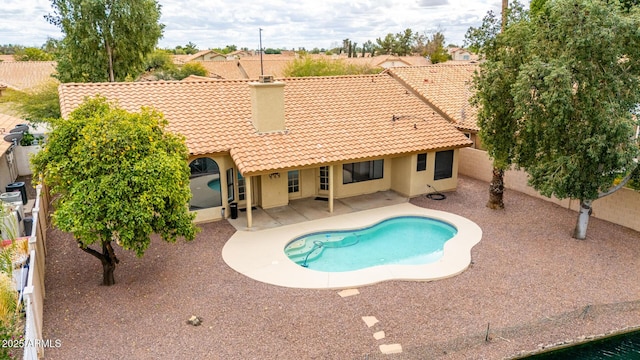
[(301, 210), (260, 254)]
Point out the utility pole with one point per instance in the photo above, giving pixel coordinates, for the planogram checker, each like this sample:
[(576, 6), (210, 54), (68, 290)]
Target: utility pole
[(261, 67)]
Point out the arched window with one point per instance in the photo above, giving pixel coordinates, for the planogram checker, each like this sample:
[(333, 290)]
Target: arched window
[(205, 184)]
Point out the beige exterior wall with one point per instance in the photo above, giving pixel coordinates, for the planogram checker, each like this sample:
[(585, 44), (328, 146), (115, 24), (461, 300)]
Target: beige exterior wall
[(621, 207), (308, 182), (274, 190), (400, 182), (214, 57), (271, 190), (407, 181), (341, 190)]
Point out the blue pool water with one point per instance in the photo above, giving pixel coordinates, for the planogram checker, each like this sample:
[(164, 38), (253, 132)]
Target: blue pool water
[(214, 184), (406, 240)]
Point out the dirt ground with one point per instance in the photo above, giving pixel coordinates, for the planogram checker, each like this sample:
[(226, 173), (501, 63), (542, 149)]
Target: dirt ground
[(530, 285)]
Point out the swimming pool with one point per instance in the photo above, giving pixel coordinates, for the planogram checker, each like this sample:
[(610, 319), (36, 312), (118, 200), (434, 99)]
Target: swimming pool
[(405, 240), (259, 255)]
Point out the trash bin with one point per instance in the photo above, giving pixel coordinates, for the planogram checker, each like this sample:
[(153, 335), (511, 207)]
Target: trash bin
[(18, 186), (28, 225), (234, 210)]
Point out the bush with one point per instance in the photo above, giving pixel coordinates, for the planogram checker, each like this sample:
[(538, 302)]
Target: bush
[(38, 105), (191, 68), (308, 66)]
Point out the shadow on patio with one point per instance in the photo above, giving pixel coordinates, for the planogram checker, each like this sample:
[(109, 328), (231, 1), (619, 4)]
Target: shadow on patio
[(301, 210)]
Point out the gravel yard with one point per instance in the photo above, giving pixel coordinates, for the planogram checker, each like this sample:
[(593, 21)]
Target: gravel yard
[(530, 284)]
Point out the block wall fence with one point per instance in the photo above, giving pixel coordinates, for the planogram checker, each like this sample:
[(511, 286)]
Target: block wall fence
[(621, 207)]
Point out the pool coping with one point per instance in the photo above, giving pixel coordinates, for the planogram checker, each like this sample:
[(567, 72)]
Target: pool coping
[(260, 254)]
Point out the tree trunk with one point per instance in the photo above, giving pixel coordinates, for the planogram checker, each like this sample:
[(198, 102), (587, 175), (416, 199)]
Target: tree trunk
[(108, 259), (496, 190), (505, 6), (583, 220), (107, 273), (107, 46)]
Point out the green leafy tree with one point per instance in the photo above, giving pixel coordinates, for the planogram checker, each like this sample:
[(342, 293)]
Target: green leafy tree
[(308, 66), (192, 68), (575, 99), (119, 177), (386, 45), (404, 42), (105, 40), (51, 46), (435, 49), (190, 48), (159, 64), (32, 54), (272, 51), (159, 59), (10, 49), (504, 52)]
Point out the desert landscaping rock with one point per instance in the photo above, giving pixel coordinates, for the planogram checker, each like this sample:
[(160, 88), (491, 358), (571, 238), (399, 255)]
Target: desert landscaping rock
[(530, 280)]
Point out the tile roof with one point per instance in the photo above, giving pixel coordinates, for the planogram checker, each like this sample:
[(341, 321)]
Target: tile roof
[(446, 86), (25, 75), (7, 58), (229, 69), (327, 119), (271, 66), (7, 123)]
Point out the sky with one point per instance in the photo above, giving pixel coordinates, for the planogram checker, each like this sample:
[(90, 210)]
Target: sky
[(285, 24)]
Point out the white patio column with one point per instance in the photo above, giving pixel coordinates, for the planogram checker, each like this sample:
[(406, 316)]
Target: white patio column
[(248, 195), (331, 189)]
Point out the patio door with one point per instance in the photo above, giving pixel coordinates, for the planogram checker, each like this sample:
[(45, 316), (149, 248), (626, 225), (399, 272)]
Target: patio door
[(323, 181)]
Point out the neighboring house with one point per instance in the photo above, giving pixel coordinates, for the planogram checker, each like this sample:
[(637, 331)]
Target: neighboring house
[(251, 67), (240, 54), (447, 87), (207, 55), (229, 69), (387, 61), (459, 54), (264, 143), (270, 65), (203, 55), (390, 61), (25, 75)]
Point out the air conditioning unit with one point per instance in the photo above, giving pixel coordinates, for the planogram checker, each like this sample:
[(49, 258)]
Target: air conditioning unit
[(265, 79)]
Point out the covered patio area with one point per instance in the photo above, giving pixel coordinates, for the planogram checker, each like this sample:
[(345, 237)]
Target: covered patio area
[(306, 209)]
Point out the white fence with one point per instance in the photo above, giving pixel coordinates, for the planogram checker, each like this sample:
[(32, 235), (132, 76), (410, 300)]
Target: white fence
[(34, 293)]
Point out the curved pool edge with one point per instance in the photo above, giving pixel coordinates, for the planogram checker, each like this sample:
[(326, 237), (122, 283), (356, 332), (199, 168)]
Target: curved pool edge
[(260, 254)]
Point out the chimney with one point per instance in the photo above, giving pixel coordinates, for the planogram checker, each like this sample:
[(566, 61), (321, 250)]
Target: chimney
[(267, 104)]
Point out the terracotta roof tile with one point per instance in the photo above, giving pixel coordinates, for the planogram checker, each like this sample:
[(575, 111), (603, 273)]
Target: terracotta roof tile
[(327, 119), (7, 58), (229, 69), (271, 66), (24, 75), (446, 86)]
